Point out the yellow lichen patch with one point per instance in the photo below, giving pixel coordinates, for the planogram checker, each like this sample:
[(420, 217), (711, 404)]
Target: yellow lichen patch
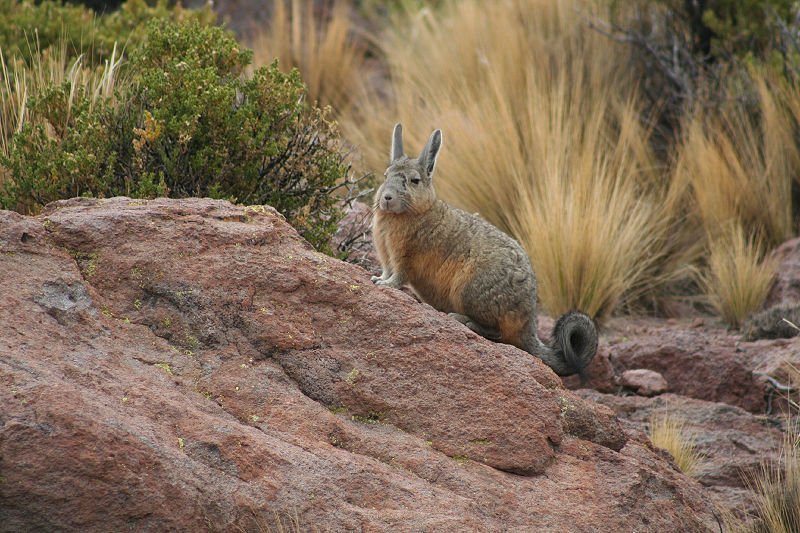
[(352, 376), (165, 367)]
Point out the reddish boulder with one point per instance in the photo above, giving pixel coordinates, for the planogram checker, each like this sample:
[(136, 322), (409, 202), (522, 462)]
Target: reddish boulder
[(786, 289), (778, 363), (192, 364), (644, 382), (780, 317)]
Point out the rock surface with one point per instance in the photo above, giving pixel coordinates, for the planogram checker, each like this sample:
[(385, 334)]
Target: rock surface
[(705, 362), (780, 321), (732, 441), (195, 365), (644, 382), (786, 289), (783, 301)]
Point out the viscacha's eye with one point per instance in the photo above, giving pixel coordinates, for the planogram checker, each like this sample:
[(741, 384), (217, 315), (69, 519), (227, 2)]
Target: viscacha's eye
[(415, 181)]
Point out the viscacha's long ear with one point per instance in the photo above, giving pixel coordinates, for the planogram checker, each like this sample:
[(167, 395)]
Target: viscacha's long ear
[(427, 158), (397, 143)]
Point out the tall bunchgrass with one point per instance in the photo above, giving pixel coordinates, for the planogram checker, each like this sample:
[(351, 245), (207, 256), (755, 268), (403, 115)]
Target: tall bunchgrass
[(669, 433), (739, 277), (322, 45), (741, 162), (543, 137)]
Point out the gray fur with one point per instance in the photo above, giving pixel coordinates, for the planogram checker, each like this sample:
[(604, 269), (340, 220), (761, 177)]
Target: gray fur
[(432, 247), (427, 158), (397, 143)]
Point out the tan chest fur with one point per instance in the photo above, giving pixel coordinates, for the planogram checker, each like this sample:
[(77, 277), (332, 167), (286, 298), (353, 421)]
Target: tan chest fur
[(436, 276)]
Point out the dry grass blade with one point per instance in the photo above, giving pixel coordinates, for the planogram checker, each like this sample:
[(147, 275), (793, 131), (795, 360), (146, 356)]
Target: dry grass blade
[(668, 432), (321, 45), (738, 277), (792, 324)]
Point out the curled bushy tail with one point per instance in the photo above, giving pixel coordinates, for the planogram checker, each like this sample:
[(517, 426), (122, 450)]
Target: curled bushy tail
[(572, 347)]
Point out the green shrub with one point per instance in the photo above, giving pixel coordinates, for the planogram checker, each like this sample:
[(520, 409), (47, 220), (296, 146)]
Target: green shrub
[(28, 28), (185, 123), (67, 154), (25, 25), (743, 28)]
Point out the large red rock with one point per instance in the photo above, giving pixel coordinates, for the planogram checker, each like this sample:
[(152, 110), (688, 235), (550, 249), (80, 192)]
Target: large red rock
[(700, 361), (778, 362), (187, 365)]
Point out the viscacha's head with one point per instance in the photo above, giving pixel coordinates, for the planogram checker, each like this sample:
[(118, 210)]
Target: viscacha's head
[(408, 187)]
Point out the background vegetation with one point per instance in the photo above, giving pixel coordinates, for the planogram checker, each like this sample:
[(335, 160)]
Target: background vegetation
[(644, 153), (171, 114)]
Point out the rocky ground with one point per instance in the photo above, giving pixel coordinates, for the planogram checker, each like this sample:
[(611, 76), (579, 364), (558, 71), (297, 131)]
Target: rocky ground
[(192, 365)]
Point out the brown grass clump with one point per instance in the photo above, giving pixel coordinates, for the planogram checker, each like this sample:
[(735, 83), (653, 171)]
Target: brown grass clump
[(668, 432), (740, 166), (322, 46), (542, 137), (739, 277)]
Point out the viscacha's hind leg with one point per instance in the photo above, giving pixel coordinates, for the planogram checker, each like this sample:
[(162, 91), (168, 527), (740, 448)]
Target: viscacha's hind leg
[(489, 333)]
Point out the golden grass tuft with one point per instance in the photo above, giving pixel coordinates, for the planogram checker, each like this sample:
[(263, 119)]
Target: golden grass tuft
[(741, 167), (542, 136), (776, 492), (777, 489), (322, 46), (668, 432), (739, 277)]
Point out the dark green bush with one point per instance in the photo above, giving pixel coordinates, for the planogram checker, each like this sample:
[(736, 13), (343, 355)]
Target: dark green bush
[(186, 123), (739, 28), (65, 154), (719, 30)]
